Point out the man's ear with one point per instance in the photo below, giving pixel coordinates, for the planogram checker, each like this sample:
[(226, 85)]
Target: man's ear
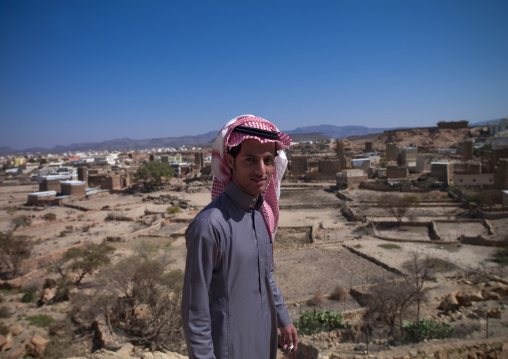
[(231, 161)]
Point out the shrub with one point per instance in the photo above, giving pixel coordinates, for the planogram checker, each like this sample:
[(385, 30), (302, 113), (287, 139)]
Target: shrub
[(28, 296), (173, 209), (425, 329), (4, 330), (5, 312), (110, 217), (317, 299), (319, 321), (338, 293), (41, 321)]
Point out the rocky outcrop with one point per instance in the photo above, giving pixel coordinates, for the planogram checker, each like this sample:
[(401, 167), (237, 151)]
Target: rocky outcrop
[(36, 345)]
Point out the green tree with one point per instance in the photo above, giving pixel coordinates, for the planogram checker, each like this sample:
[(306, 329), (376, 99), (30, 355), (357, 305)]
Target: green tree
[(478, 152), (152, 172), (397, 206), (83, 260), (43, 161), (13, 251), (487, 198)]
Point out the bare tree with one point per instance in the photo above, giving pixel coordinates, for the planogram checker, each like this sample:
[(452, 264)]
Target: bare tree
[(141, 297), (21, 221), (421, 268), (13, 251), (389, 303), (397, 206)]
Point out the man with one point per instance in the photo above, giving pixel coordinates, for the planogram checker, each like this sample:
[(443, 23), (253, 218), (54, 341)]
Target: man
[(231, 306)]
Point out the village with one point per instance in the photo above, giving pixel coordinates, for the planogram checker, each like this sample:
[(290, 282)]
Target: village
[(418, 213)]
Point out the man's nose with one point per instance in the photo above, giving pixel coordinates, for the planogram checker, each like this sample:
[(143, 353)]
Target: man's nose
[(260, 168)]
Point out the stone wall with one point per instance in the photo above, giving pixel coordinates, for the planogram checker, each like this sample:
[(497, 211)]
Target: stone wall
[(396, 172), (329, 168)]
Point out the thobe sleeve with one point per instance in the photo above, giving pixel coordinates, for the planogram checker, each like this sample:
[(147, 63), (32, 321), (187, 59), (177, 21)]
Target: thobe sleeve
[(282, 312), (202, 253)]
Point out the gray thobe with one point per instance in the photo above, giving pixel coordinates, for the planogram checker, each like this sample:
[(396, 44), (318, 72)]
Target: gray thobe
[(231, 306)]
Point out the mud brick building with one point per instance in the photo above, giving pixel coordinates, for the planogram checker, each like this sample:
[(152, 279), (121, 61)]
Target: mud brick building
[(469, 167), (83, 174), (443, 171), (473, 180), (501, 175), (38, 198), (105, 181), (351, 178), (423, 162), (341, 154), (73, 188), (52, 183), (392, 153), (466, 149), (396, 172), (407, 156), (368, 147)]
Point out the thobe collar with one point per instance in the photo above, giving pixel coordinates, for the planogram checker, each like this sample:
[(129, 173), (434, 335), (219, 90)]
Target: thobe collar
[(243, 200)]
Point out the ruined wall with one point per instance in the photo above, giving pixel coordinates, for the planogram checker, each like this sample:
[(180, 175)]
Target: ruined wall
[(396, 172), (329, 168), (501, 175), (298, 165)]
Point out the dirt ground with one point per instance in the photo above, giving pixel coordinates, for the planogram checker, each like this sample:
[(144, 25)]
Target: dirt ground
[(302, 271)]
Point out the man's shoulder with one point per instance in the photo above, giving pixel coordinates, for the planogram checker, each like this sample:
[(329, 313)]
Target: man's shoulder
[(214, 210)]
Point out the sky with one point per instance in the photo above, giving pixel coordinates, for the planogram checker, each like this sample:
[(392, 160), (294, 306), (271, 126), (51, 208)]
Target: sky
[(95, 70)]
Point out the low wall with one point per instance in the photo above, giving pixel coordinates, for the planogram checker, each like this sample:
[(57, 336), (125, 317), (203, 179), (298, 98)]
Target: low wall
[(374, 260)]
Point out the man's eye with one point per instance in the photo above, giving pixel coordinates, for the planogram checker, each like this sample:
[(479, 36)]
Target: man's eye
[(269, 161)]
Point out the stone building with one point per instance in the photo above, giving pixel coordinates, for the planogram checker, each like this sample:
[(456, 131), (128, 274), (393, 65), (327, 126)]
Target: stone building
[(473, 180), (368, 147), (341, 155)]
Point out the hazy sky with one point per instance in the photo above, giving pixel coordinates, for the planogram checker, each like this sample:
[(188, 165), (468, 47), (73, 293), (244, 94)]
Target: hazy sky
[(86, 71)]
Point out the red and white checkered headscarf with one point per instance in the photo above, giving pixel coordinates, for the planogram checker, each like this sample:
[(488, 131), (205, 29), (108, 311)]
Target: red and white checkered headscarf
[(222, 173)]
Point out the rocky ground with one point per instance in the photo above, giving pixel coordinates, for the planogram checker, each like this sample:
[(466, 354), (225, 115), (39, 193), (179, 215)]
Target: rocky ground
[(331, 252)]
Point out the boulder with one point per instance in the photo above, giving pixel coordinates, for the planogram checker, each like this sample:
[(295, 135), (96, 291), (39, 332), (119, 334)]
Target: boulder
[(35, 347), (495, 313), (496, 287), (16, 329), (468, 295), (449, 303), (47, 295), (6, 342)]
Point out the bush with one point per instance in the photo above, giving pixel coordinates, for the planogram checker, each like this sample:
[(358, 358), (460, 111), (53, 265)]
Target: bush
[(5, 312), (319, 321), (425, 329), (317, 299), (41, 321), (4, 330), (28, 296), (174, 209), (338, 293)]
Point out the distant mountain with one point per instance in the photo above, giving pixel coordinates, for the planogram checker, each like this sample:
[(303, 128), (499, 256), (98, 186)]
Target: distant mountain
[(339, 131), (298, 134)]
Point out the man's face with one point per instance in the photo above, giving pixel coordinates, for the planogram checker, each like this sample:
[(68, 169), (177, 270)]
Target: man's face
[(253, 166)]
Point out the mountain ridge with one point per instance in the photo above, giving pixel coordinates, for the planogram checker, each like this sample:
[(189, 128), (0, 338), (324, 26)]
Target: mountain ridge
[(330, 131)]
